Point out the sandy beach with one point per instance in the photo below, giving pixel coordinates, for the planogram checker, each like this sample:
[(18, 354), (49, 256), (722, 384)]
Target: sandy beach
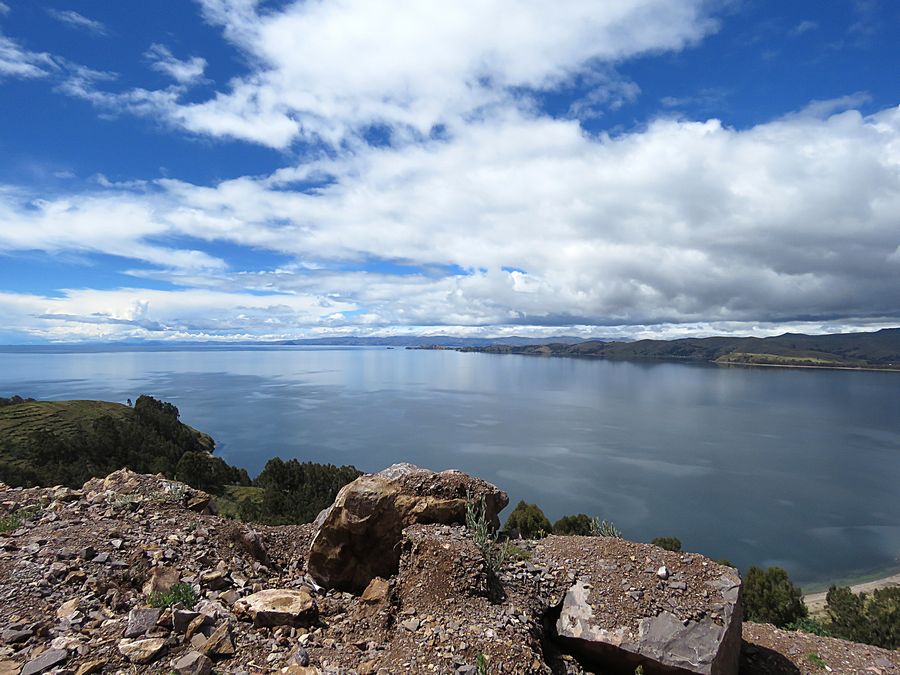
[(815, 602)]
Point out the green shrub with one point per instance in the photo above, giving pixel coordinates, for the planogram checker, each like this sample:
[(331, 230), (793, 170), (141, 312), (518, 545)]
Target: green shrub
[(529, 520), (872, 619), (816, 660), (811, 626), (577, 525), (668, 543), (770, 597), (14, 520), (484, 535), (180, 594)]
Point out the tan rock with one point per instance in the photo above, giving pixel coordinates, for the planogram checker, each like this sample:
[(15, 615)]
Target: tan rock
[(376, 592), (279, 607), (356, 538), (141, 651), (161, 580), (68, 608), (9, 668), (92, 666)]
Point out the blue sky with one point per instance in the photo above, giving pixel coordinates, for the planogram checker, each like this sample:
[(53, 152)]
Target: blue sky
[(232, 169)]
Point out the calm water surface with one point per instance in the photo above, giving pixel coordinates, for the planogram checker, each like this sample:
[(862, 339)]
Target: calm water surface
[(796, 468)]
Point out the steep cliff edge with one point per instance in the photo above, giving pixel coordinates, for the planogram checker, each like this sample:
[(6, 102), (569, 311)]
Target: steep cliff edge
[(133, 574)]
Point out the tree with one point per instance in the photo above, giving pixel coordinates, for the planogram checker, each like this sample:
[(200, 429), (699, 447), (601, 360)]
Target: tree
[(668, 543), (873, 619), (529, 520), (579, 525), (770, 597)]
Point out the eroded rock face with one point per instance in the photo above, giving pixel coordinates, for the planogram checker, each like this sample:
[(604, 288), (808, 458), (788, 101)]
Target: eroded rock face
[(357, 537), (625, 615)]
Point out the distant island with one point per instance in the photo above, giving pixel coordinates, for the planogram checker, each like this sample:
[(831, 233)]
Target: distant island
[(878, 350)]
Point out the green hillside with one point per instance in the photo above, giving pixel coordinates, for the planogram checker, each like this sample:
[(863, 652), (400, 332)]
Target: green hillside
[(67, 442), (880, 349)]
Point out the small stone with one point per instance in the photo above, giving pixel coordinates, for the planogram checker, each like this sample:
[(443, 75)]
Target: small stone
[(301, 656), (141, 651), (229, 597), (161, 580), (92, 666), (193, 663), (279, 607), (45, 661), (663, 572), (412, 625), (12, 636), (219, 643), (215, 580), (9, 667), (182, 618), (140, 621)]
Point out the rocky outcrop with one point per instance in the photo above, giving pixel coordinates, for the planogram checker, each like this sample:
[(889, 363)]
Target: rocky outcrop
[(357, 538), (705, 646), (72, 575)]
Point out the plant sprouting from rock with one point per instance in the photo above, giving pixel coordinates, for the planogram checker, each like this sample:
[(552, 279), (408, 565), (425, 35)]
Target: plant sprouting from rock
[(483, 534), (604, 528)]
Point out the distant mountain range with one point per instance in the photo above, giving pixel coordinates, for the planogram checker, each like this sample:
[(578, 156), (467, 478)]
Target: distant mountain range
[(879, 350), (438, 341)]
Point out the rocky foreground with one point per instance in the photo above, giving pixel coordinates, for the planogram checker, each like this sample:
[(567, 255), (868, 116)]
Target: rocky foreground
[(386, 581)]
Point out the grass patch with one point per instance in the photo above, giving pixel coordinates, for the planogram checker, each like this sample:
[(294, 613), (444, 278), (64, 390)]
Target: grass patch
[(816, 660), (515, 553), (14, 520), (180, 594), (229, 499)]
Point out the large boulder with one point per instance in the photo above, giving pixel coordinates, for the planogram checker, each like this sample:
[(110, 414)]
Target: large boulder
[(357, 537), (633, 604)]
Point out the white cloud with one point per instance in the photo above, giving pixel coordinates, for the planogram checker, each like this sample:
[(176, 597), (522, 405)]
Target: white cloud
[(116, 224), (684, 223), (4, 8), (16, 61), (73, 19), (328, 71), (184, 71), (804, 27)]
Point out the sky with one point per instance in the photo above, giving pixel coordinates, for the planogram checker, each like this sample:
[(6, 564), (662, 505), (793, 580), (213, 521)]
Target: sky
[(266, 170)]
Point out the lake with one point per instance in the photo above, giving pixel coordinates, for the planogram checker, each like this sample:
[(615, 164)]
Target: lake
[(767, 466)]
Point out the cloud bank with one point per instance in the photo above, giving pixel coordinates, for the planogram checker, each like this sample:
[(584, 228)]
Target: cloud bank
[(477, 212)]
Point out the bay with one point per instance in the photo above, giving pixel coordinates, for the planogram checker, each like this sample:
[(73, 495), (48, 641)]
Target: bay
[(797, 468)]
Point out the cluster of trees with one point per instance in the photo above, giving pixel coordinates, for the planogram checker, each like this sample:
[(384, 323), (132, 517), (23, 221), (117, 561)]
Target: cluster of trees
[(13, 400), (294, 492), (873, 619), (770, 597), (529, 522)]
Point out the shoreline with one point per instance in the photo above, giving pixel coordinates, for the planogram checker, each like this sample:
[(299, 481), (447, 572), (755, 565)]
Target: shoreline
[(659, 359), (785, 365), (815, 602)]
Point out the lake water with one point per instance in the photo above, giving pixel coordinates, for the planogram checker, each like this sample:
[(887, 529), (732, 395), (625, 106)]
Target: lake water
[(798, 468)]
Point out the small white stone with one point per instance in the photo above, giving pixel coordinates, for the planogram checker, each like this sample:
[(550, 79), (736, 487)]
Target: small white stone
[(663, 572)]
